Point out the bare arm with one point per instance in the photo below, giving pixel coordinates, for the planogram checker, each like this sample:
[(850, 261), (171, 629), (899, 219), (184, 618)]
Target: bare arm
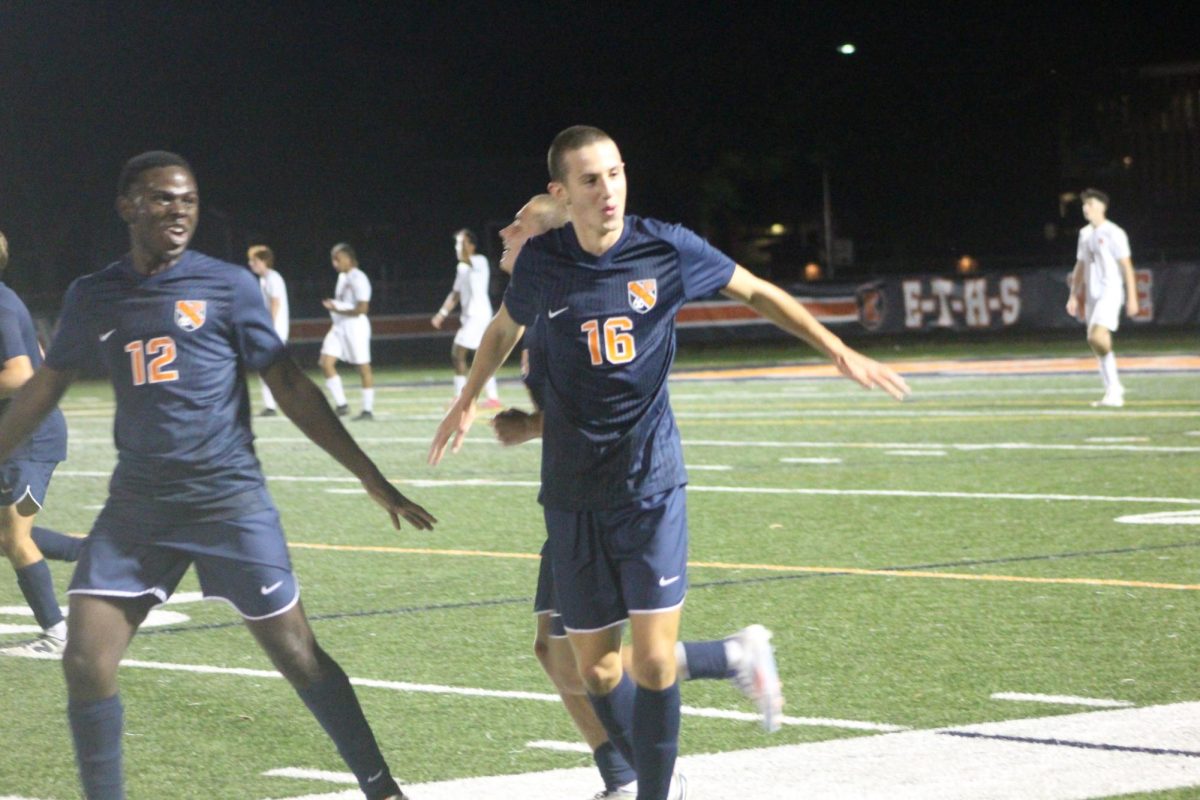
[(357, 310), (30, 405), (276, 304), (13, 375), (305, 405), (1131, 296), (448, 305), (788, 314), (1075, 306), (498, 341)]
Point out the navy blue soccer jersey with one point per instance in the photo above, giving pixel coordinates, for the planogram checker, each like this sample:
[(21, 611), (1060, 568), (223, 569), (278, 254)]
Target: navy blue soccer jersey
[(19, 338), (607, 336), (177, 345)]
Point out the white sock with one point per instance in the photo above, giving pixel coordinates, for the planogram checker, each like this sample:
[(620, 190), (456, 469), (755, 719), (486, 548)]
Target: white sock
[(459, 382), (334, 385), (268, 398), (490, 389), (734, 653), (1108, 369), (58, 630), (681, 667), (368, 399)]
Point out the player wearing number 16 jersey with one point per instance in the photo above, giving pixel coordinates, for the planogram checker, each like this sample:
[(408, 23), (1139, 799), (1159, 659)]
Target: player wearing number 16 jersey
[(607, 287), (178, 331)]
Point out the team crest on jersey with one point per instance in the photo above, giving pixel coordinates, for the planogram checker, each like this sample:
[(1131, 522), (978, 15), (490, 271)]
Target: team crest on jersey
[(643, 295), (190, 314)]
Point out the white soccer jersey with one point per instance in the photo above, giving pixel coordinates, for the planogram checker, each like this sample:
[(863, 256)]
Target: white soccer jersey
[(353, 287), (273, 288), (1101, 250), (471, 283)]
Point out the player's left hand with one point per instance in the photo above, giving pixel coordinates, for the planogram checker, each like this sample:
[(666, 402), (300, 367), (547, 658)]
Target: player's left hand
[(871, 374), (1131, 306), (454, 425), (397, 505), (514, 426)]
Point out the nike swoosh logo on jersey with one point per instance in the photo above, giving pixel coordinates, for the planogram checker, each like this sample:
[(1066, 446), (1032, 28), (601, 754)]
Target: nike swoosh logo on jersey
[(665, 581), (266, 590), (556, 312), (104, 336)]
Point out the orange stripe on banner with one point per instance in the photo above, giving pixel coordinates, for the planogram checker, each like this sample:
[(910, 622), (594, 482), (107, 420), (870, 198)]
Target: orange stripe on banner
[(875, 573)]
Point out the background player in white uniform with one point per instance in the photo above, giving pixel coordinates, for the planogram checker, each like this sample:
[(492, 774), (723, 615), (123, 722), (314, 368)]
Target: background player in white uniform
[(1102, 279), (471, 281), (262, 264), (349, 339)]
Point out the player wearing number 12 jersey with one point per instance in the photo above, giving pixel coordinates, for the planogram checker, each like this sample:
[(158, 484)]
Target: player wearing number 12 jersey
[(607, 287), (178, 331)]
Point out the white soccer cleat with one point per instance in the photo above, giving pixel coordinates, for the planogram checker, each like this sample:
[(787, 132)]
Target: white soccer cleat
[(616, 794), (757, 676), (45, 646), (678, 790), (1113, 398)]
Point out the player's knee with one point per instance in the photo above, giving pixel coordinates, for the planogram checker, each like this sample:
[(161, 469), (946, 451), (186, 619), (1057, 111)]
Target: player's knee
[(654, 670), (87, 676), (600, 679)]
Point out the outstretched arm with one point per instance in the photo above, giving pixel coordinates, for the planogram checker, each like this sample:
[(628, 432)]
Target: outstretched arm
[(787, 313), (29, 406), (306, 406), (498, 341)]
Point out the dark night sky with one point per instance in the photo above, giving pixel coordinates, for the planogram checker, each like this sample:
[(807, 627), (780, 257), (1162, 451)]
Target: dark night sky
[(395, 123)]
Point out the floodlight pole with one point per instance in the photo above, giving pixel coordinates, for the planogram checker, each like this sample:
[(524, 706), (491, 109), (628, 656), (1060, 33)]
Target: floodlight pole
[(828, 214)]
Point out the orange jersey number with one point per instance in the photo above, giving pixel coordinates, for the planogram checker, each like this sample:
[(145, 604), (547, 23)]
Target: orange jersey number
[(617, 345), (161, 353)]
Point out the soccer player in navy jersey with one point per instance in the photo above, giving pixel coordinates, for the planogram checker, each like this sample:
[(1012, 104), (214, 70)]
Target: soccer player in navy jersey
[(178, 330), (609, 286), (746, 658), (25, 476)]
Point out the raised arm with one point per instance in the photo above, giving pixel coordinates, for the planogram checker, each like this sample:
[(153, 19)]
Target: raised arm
[(29, 406), (499, 339), (788, 314), (305, 405)]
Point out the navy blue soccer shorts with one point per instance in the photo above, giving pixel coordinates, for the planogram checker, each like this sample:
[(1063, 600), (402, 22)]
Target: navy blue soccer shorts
[(24, 483), (612, 563), (243, 561), (543, 598)]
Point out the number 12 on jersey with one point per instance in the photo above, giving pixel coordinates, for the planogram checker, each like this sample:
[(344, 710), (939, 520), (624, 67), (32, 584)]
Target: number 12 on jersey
[(161, 353), (616, 346)]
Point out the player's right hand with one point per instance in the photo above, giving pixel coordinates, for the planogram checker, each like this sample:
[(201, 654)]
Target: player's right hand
[(514, 426), (397, 506), (454, 425), (1073, 306)]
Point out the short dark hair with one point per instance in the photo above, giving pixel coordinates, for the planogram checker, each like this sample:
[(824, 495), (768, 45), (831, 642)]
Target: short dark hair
[(467, 234), (573, 138), (263, 254), (3, 253), (152, 159), (343, 247), (1087, 194)]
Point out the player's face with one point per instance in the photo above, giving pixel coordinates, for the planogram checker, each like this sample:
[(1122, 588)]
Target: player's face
[(341, 261), (258, 266), (161, 208), (527, 224), (1093, 210), (594, 188), (463, 248)]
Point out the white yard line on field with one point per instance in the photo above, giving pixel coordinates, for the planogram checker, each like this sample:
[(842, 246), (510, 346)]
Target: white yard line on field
[(1061, 699)]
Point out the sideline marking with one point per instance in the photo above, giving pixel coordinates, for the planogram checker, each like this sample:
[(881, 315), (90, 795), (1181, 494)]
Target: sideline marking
[(464, 691), (1191, 517), (1062, 699), (1116, 439), (786, 460), (914, 452), (1117, 748), (313, 775), (860, 571), (563, 747)]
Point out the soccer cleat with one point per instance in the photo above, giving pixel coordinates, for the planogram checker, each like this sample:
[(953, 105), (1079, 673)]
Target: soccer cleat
[(365, 416), (343, 410), (45, 646), (268, 412), (1113, 398), (757, 676), (678, 790), (491, 403), (616, 794)]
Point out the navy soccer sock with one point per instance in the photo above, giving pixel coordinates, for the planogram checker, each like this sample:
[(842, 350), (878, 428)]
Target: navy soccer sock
[(614, 769), (333, 702), (656, 739), (38, 588), (96, 728), (615, 711), (57, 546), (707, 660)]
